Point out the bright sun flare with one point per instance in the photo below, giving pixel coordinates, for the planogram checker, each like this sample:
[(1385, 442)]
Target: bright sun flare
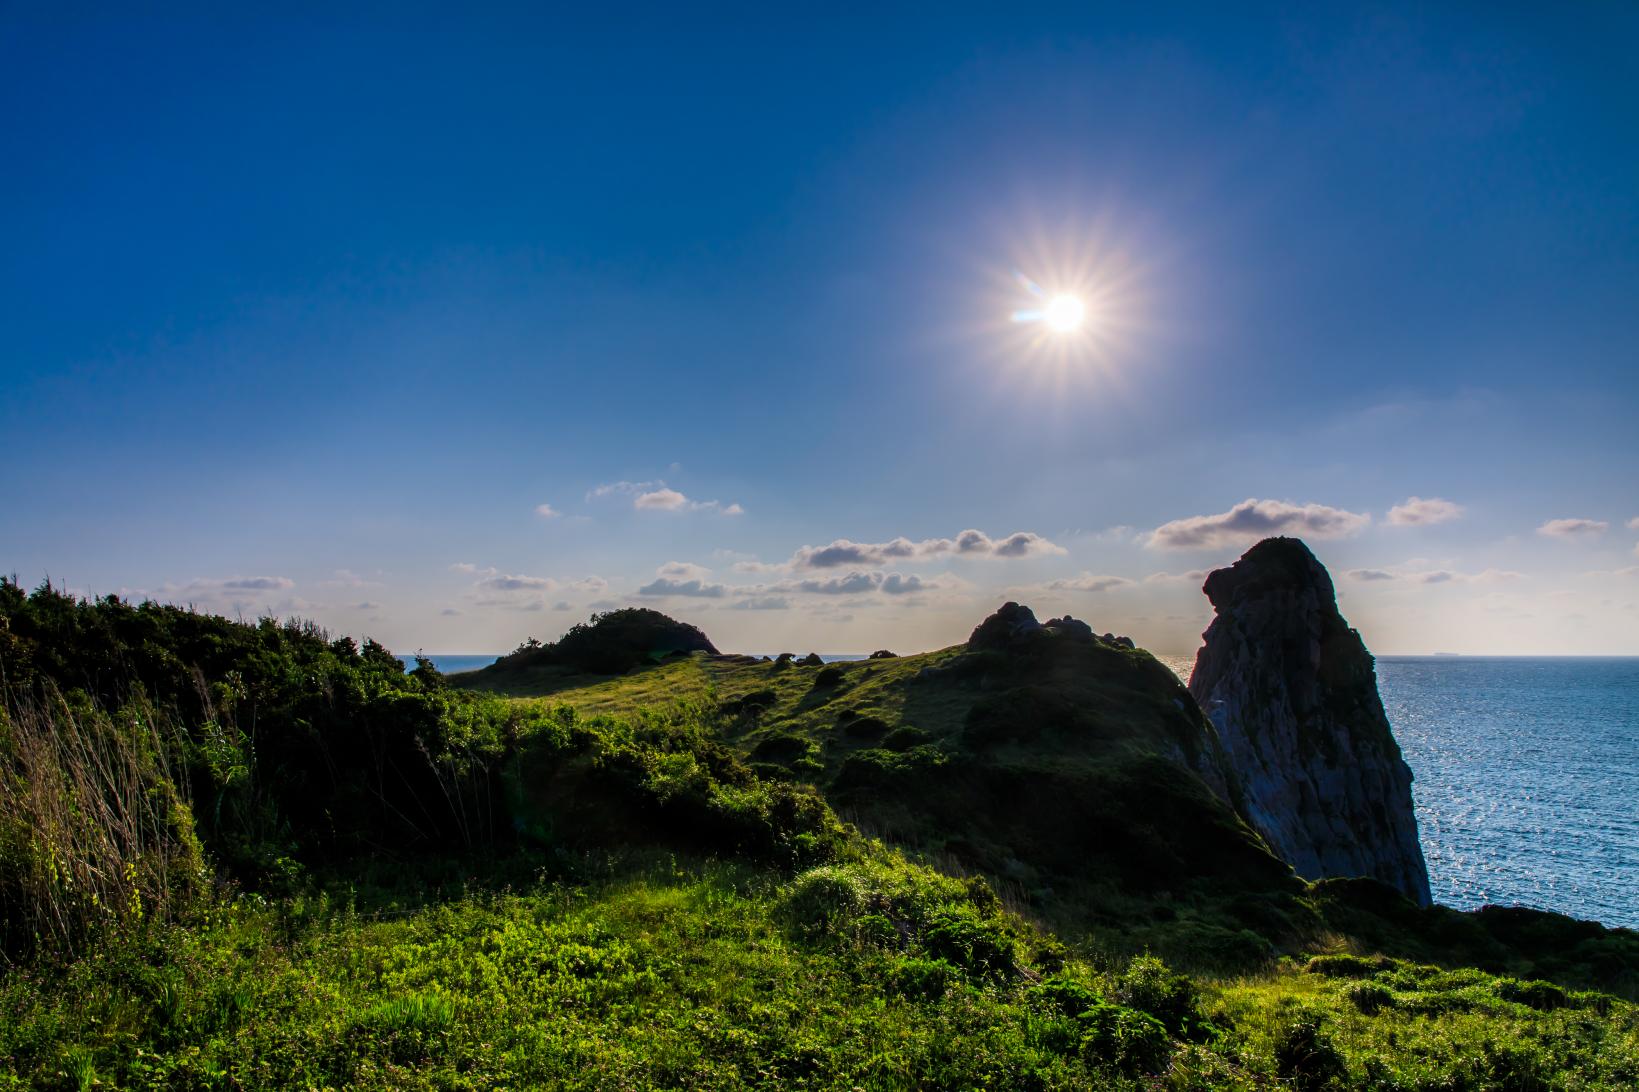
[(1065, 313)]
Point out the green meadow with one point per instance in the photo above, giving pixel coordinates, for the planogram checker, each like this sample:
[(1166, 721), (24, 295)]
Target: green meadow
[(254, 856)]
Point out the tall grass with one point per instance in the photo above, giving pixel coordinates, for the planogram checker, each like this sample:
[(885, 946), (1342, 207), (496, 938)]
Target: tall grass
[(95, 824)]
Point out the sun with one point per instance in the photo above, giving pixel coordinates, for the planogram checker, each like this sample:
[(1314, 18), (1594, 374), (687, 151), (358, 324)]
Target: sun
[(1065, 313)]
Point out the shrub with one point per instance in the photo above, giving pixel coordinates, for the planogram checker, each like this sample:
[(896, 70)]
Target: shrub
[(1341, 966), (1542, 996), (924, 979), (1305, 1056), (826, 677), (1118, 1037), (858, 727), (1150, 985), (904, 738), (1368, 998), (821, 898), (981, 947)]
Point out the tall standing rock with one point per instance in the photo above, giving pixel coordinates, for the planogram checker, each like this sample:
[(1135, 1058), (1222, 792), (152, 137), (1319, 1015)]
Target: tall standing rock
[(1293, 694)]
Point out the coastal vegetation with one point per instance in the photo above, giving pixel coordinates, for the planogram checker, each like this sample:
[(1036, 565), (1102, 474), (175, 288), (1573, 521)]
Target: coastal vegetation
[(254, 855)]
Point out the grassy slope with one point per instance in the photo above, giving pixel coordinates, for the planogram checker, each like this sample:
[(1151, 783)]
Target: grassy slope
[(667, 974), (1072, 823)]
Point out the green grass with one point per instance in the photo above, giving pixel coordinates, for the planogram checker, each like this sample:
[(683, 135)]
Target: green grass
[(677, 973)]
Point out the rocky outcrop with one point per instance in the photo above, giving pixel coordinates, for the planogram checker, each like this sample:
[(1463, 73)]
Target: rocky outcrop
[(1014, 626), (1292, 692)]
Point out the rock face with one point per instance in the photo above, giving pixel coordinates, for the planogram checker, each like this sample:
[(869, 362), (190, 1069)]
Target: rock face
[(1292, 692)]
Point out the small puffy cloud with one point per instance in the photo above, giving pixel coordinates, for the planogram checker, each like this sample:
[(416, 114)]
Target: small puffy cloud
[(513, 583), (589, 585), (367, 605), (970, 543), (1573, 528), (1418, 511), (546, 511), (258, 583), (664, 500), (693, 589), (1252, 520), (450, 612), (657, 496), (1368, 574), (562, 604), (1087, 582), (469, 567), (1633, 524), (752, 565), (683, 570)]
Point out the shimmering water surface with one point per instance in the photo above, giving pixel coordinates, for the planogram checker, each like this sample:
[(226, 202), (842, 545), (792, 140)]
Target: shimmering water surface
[(1527, 778)]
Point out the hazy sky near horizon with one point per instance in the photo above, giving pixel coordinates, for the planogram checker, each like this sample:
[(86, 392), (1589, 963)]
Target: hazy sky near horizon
[(450, 327)]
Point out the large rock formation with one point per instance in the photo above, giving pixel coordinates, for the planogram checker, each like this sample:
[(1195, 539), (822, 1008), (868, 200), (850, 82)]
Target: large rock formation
[(1292, 692)]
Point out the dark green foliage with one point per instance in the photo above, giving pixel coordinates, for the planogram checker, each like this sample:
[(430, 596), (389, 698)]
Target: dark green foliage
[(905, 737), (1343, 966), (1306, 1058), (290, 746), (1150, 985), (979, 946), (782, 747), (1122, 1039), (609, 644), (923, 979), (1539, 995), (827, 677), (882, 654), (858, 727)]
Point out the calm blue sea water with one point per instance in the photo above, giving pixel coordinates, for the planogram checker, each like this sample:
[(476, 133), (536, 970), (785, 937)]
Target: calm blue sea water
[(1527, 778), (451, 662)]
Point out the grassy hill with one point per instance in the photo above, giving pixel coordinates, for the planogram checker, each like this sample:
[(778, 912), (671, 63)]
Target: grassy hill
[(253, 856)]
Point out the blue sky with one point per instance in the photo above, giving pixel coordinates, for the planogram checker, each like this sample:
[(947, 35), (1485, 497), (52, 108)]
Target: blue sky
[(311, 312)]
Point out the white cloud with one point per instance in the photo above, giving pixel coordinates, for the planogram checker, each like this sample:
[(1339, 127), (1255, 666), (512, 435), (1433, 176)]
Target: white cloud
[(1419, 510), (664, 500), (367, 605), (512, 583), (752, 565), (546, 511), (1252, 520), (591, 585), (258, 583), (1368, 574), (693, 589), (683, 570), (1633, 524), (347, 578), (450, 612), (1433, 576), (1193, 576), (657, 496), (969, 543), (1573, 528), (1087, 582)]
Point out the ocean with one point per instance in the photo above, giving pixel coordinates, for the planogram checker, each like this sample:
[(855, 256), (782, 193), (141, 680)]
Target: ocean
[(1527, 775)]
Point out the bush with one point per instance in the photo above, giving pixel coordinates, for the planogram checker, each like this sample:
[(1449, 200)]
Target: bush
[(1368, 998), (1118, 1037), (1150, 985), (924, 979), (904, 738), (1342, 966), (827, 677), (981, 947), (1306, 1058), (1542, 996), (819, 900)]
